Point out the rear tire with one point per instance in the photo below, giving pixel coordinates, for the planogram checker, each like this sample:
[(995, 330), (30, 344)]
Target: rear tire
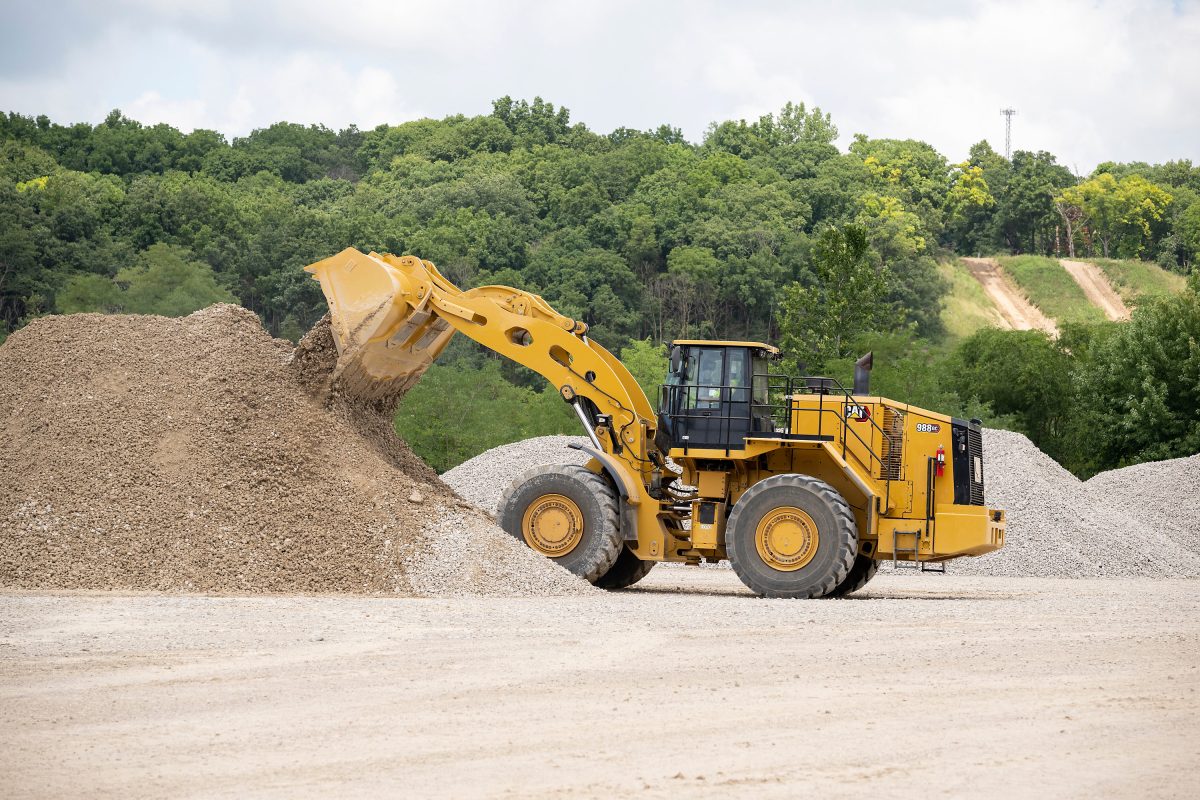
[(567, 513), (791, 536), (860, 574), (627, 570)]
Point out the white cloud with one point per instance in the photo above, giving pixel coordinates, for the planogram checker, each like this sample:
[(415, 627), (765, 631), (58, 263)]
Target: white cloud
[(1092, 81), (152, 108)]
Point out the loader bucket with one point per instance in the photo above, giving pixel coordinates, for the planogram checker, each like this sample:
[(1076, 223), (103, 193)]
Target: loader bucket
[(386, 334)]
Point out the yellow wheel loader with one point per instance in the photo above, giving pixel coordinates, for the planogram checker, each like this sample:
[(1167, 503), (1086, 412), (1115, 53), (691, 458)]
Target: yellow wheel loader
[(803, 485)]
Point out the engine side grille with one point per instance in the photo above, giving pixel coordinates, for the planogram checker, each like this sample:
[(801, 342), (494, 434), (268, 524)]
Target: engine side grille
[(975, 451), (891, 453)]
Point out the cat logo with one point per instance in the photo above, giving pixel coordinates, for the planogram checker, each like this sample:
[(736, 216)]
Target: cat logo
[(857, 413)]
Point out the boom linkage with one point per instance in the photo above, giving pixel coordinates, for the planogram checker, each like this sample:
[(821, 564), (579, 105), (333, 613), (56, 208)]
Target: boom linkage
[(393, 315)]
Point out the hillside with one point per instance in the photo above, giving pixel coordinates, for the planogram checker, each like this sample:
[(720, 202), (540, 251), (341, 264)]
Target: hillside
[(1009, 303), (966, 306), (641, 234), (1137, 280), (1027, 292), (1051, 288)]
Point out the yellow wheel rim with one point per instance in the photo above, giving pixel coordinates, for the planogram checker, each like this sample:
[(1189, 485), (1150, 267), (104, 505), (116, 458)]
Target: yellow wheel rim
[(786, 539), (552, 525)]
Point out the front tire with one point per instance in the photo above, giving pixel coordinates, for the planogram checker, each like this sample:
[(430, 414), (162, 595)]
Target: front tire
[(568, 514), (791, 536)]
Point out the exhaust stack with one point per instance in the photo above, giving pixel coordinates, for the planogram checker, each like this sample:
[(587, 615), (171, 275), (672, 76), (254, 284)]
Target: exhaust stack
[(862, 374)]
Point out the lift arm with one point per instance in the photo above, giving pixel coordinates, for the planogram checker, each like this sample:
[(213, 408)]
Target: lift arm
[(391, 316)]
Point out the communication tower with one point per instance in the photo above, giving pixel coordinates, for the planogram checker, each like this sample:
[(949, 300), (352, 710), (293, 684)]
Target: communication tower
[(1008, 115)]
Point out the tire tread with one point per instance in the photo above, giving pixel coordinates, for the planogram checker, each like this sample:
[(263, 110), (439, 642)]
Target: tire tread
[(609, 545), (847, 532)]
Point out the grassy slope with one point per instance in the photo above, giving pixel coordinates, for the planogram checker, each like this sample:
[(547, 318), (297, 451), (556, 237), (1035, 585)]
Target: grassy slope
[(1049, 287), (966, 307), (1137, 279)]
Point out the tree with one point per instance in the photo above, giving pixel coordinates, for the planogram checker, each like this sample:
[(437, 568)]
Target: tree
[(1113, 208), (166, 281), (1025, 218), (1025, 375), (1070, 207), (821, 321), (1139, 390), (478, 410), (21, 277), (88, 292), (647, 362), (694, 294), (1189, 229), (968, 191)]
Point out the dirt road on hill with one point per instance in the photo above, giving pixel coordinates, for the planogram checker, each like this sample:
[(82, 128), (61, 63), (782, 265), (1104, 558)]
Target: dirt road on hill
[(1096, 288), (1017, 312), (686, 685)]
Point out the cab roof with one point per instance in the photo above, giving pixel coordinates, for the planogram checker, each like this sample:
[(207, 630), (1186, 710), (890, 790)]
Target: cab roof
[(724, 343)]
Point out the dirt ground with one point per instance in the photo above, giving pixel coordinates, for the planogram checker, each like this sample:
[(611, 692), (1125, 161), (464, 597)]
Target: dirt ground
[(1096, 288), (686, 685), (1017, 312)]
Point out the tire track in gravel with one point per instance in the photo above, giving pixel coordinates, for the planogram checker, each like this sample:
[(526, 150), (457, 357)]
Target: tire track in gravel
[(1017, 312)]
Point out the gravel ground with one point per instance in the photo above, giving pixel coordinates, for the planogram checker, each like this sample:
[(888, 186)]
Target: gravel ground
[(1139, 521), (683, 686), (192, 455)]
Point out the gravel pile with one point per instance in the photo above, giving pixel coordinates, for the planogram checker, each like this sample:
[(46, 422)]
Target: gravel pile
[(193, 455), (482, 479), (1061, 526), (1138, 521), (1165, 494)]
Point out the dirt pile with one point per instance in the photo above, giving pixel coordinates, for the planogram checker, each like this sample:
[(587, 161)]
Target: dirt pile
[(1139, 521), (190, 455)]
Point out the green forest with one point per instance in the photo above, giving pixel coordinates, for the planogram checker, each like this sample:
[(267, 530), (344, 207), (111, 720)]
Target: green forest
[(763, 230)]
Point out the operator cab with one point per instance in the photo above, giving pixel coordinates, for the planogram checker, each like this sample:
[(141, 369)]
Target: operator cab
[(717, 394)]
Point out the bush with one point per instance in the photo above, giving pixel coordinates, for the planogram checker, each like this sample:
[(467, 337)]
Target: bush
[(457, 412)]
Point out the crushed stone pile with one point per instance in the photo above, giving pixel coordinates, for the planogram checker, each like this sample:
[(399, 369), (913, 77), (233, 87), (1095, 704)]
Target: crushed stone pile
[(199, 454), (482, 479), (1137, 521), (1165, 494), (1061, 526)]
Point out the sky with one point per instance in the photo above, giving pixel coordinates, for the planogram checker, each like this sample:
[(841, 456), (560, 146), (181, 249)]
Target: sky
[(1091, 81)]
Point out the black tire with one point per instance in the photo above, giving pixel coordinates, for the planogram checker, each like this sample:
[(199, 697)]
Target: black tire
[(627, 570), (600, 543), (837, 537), (860, 574)]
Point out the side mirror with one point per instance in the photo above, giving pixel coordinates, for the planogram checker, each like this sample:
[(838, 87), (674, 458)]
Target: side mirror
[(676, 359)]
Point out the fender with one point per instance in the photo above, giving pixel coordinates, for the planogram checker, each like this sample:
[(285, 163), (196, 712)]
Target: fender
[(620, 479)]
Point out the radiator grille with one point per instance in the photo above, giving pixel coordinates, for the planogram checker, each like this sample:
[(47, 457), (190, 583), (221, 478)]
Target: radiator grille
[(975, 453), (891, 454)]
